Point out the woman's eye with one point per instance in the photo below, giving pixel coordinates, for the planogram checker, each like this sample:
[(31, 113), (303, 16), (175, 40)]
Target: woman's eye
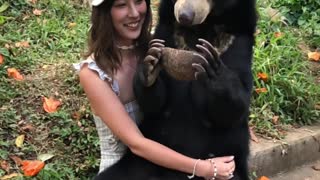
[(119, 4)]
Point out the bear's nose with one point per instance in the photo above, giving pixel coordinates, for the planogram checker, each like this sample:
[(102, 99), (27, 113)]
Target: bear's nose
[(186, 17)]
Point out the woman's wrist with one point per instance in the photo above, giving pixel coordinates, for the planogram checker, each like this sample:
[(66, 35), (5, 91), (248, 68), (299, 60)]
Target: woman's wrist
[(204, 169), (194, 170)]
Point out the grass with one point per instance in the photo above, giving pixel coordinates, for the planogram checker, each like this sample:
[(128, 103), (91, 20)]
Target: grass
[(292, 89), (69, 134), (47, 67)]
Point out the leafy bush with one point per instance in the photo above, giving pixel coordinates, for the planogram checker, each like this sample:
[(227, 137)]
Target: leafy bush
[(291, 91), (302, 13)]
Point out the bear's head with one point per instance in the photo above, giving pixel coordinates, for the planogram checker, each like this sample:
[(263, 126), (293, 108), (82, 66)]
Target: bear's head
[(193, 12)]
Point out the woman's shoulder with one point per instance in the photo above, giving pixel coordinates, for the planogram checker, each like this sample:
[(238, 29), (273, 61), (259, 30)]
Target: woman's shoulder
[(90, 64), (88, 71)]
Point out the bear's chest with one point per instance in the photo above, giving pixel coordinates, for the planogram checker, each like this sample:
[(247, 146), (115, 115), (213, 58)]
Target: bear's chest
[(187, 37)]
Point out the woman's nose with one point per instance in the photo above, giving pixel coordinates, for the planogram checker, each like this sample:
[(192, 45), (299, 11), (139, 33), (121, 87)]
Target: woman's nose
[(133, 11)]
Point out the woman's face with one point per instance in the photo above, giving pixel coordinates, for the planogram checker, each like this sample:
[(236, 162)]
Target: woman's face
[(127, 18)]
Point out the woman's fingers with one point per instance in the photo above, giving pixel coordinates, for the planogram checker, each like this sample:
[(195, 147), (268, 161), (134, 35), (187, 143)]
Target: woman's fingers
[(225, 159), (226, 166)]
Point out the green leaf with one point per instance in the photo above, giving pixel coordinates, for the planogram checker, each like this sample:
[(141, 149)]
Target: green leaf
[(2, 20), (4, 7)]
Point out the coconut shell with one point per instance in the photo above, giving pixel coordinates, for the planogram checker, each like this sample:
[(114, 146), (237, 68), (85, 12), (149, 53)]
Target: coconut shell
[(178, 63)]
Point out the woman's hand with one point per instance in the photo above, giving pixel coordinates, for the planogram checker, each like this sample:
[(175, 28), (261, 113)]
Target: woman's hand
[(216, 168), (223, 167)]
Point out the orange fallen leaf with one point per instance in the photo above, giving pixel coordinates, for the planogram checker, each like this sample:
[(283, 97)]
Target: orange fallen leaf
[(32, 167), (5, 166), (1, 59), (252, 135), (24, 44), (37, 12), (263, 76), (261, 90), (50, 105), (264, 178), (10, 176), (14, 73), (278, 34), (315, 56)]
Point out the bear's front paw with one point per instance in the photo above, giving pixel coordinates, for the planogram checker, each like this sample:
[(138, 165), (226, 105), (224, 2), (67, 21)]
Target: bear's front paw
[(213, 66), (150, 66)]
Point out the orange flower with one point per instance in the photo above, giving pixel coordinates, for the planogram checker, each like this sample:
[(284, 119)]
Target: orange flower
[(50, 105), (1, 59), (32, 167), (261, 90), (14, 73), (263, 76)]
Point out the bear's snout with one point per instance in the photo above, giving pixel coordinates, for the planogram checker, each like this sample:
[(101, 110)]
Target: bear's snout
[(191, 12), (186, 17)]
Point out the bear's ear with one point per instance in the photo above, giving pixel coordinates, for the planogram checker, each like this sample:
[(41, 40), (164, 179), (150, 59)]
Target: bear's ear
[(192, 12)]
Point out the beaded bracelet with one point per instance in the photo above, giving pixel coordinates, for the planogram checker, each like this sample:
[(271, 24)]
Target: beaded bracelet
[(215, 169), (194, 169)]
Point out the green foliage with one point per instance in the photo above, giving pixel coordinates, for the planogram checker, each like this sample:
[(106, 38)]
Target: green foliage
[(3, 7), (292, 93), (302, 13)]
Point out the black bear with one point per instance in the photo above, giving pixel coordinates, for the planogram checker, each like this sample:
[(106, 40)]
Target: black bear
[(204, 117)]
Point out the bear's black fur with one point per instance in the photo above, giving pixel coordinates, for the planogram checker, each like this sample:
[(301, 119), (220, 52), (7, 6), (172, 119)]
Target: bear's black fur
[(203, 118)]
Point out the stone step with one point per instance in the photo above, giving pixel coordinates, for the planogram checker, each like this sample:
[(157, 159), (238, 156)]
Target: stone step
[(301, 146), (309, 171)]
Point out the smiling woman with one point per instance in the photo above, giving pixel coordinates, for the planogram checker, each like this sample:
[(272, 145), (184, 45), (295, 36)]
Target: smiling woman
[(128, 20)]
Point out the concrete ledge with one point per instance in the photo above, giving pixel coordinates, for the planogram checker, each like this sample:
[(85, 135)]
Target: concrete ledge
[(301, 146)]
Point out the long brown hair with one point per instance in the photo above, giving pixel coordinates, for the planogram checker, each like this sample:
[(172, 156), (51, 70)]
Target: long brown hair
[(101, 42)]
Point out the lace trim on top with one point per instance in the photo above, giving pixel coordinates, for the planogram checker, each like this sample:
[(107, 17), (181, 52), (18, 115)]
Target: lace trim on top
[(104, 76)]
